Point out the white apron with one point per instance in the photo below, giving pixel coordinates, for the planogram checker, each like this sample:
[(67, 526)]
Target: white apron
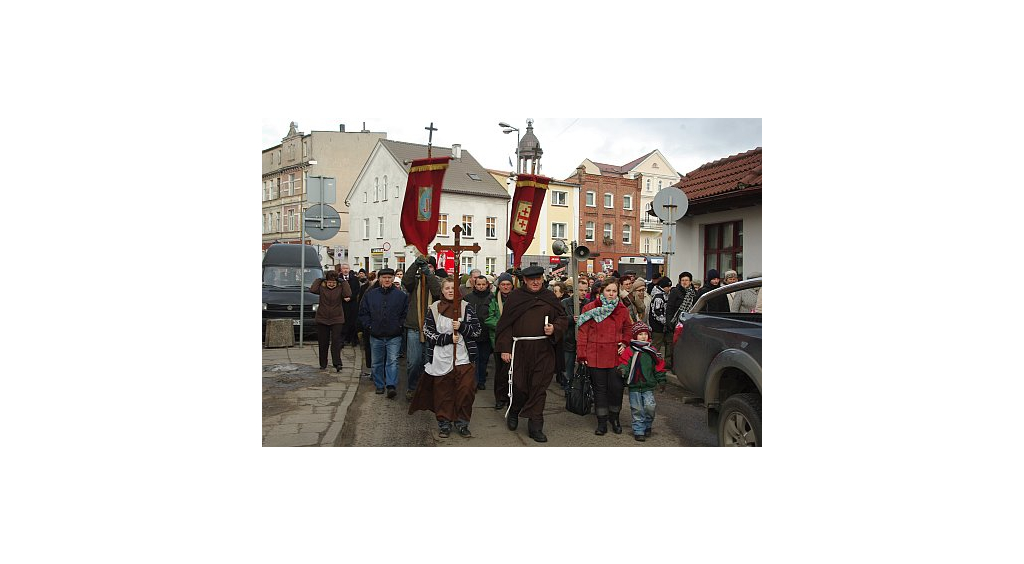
[(442, 361)]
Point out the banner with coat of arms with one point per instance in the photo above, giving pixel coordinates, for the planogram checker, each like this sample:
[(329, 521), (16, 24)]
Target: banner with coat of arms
[(423, 201), (526, 205)]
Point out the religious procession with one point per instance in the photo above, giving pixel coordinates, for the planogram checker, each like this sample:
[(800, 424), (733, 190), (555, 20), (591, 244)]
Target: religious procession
[(445, 338)]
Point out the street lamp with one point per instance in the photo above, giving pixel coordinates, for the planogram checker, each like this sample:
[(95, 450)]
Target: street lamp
[(510, 129), (302, 250)]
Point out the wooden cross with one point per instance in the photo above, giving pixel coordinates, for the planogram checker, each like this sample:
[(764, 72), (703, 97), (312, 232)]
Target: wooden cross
[(430, 140), (457, 248)]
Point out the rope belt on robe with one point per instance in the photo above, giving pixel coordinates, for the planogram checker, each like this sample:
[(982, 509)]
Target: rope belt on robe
[(512, 363)]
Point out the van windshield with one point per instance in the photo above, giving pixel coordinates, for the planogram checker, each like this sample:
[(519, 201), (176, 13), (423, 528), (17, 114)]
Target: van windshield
[(288, 276)]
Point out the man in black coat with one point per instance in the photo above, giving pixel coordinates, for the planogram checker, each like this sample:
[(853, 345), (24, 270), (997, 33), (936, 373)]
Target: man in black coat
[(582, 288), (480, 298), (351, 329), (714, 305)]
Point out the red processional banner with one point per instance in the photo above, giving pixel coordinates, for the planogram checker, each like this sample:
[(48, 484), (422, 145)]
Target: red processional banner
[(423, 201), (526, 206)]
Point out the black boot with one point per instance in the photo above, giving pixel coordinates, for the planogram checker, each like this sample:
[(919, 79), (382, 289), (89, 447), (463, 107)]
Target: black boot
[(513, 421), (537, 431), (602, 425), (616, 427)]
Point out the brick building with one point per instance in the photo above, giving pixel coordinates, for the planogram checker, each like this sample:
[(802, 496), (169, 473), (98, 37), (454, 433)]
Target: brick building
[(609, 223)]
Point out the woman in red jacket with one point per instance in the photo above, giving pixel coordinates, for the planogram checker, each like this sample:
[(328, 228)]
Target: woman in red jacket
[(604, 332)]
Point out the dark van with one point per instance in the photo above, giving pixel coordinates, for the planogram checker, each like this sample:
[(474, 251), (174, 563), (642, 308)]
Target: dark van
[(282, 278)]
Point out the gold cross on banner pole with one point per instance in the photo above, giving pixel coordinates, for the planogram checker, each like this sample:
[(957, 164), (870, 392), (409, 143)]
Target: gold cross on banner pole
[(457, 248)]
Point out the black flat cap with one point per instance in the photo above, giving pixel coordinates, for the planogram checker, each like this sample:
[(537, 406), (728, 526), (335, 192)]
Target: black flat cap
[(386, 272), (533, 272)]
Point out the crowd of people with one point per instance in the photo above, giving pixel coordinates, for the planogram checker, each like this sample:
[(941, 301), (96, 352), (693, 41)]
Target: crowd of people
[(537, 328)]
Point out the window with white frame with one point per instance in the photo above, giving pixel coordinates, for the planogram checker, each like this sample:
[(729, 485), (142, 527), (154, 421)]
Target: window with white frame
[(466, 263), (491, 265), (492, 229), (627, 234), (380, 227), (608, 230), (376, 189), (366, 229), (274, 192), (264, 223), (467, 226), (627, 202), (266, 191), (295, 219), (365, 196), (305, 149), (646, 245), (608, 199), (648, 184), (442, 225), (558, 230), (384, 191), (277, 221), (659, 186), (591, 202), (657, 244), (558, 198), (590, 231), (298, 186)]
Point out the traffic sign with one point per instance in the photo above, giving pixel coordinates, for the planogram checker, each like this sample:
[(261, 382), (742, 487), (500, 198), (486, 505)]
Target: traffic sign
[(670, 205), (321, 189), (331, 222)]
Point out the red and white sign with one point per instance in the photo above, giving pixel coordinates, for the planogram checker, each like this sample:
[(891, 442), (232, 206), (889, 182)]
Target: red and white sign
[(446, 260), (554, 260)]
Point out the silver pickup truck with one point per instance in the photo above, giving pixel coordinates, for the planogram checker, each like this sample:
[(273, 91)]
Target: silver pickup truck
[(717, 357)]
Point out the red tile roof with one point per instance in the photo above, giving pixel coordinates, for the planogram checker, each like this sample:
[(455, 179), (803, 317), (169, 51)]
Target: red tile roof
[(734, 174)]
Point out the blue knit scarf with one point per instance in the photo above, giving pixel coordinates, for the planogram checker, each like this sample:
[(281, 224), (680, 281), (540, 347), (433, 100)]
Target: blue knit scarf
[(599, 313)]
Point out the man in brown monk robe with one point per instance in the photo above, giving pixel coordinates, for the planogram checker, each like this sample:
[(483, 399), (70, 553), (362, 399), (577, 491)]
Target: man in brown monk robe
[(532, 322)]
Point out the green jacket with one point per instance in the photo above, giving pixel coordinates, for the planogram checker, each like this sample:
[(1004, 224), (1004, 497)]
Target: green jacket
[(493, 314), (653, 373)]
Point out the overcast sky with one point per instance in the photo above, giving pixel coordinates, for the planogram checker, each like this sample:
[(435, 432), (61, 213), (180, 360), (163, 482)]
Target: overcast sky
[(686, 143)]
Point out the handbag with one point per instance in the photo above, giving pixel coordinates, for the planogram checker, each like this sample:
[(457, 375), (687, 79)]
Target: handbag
[(579, 395)]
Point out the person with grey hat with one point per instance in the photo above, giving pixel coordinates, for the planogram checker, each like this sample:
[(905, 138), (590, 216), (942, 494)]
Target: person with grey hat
[(532, 323), (494, 312), (381, 314)]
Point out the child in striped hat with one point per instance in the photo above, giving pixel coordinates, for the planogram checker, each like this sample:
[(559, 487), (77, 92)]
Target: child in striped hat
[(644, 370)]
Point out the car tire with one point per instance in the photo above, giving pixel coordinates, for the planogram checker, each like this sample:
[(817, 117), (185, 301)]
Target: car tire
[(739, 421)]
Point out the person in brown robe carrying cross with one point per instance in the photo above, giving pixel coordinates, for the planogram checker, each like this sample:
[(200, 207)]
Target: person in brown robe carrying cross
[(532, 323)]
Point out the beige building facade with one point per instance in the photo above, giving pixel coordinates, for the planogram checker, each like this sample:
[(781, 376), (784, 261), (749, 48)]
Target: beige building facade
[(286, 168), (558, 218)]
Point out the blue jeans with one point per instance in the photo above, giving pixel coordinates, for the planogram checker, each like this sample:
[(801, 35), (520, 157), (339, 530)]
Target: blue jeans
[(483, 356), (414, 361), (642, 406), (385, 360)]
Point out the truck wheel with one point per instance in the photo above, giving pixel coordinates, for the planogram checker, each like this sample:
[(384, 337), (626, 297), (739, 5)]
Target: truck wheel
[(739, 422)]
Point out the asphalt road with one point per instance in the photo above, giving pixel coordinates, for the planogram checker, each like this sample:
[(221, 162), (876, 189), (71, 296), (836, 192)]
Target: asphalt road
[(374, 420)]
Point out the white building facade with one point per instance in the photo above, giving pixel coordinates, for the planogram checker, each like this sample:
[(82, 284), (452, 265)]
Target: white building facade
[(470, 197)]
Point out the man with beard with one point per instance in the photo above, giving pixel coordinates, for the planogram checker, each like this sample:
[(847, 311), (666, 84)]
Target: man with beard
[(494, 313), (480, 299), (349, 308), (532, 322)]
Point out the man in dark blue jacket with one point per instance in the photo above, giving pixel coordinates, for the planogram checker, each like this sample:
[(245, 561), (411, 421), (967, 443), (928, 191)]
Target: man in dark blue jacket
[(382, 313)]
